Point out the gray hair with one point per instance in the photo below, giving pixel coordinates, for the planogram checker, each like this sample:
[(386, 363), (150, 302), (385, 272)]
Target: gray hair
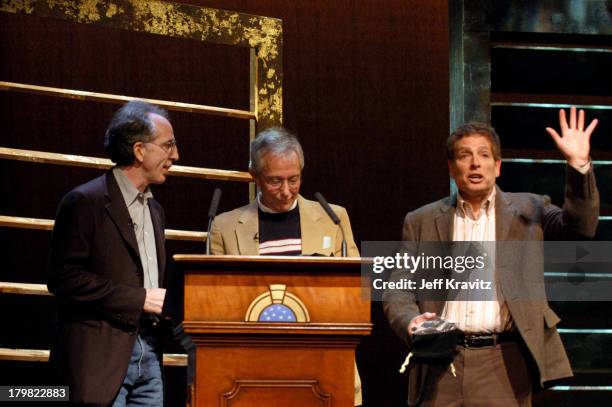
[(129, 125), (276, 141)]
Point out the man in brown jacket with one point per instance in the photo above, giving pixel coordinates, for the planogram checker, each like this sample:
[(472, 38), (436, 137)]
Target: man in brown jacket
[(107, 268), (512, 341)]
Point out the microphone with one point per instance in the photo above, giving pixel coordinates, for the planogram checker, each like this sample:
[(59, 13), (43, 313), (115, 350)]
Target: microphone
[(212, 211), (330, 212)]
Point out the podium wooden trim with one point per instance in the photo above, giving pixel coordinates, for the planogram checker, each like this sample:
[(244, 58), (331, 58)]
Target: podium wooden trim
[(296, 364)]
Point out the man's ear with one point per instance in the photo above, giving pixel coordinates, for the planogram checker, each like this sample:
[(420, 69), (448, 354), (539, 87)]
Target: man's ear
[(138, 151), (497, 168), (254, 176)]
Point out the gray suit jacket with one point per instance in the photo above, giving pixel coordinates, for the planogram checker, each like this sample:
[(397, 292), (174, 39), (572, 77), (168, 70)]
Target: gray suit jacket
[(519, 217)]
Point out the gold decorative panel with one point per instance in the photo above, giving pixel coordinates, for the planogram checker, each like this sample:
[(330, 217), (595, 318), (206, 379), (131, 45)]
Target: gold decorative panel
[(263, 35)]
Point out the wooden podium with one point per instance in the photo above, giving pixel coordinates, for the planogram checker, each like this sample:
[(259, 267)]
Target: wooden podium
[(244, 359)]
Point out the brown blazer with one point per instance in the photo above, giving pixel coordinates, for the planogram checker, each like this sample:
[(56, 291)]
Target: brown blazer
[(235, 232), (519, 217), (96, 273)]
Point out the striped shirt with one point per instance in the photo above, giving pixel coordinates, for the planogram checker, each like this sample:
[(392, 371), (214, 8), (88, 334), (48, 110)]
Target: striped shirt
[(279, 232), (477, 316)]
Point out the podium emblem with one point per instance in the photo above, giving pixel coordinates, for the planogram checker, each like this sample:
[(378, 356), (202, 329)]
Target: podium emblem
[(277, 305)]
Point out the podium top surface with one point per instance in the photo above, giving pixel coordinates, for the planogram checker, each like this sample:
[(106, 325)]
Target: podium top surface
[(202, 261), (268, 260)]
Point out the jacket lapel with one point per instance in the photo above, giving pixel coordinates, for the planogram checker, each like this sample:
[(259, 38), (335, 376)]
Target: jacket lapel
[(444, 227), (504, 215), (505, 219), (119, 214), (444, 220), (160, 239), (312, 229), (247, 231)]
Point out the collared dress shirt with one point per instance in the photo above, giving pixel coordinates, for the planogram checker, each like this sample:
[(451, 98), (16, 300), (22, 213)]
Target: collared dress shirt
[(138, 206), (478, 316)]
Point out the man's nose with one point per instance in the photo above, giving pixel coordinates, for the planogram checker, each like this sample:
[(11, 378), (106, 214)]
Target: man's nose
[(174, 155), (285, 190), (475, 162)]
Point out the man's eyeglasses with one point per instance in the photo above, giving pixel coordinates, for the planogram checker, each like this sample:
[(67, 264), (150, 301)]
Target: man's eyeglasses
[(169, 146), (276, 182)]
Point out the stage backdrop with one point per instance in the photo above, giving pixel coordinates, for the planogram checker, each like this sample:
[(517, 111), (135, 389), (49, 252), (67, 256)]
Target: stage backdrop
[(366, 89)]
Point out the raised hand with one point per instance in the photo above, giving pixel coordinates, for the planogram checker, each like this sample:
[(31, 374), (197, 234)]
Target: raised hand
[(575, 141)]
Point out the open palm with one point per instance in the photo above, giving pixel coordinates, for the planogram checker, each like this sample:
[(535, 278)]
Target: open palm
[(574, 141)]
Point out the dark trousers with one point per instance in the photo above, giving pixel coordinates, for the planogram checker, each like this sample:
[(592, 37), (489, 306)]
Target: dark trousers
[(494, 376)]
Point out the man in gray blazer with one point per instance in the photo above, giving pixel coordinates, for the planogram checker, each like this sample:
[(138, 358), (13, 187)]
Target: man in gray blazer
[(511, 342)]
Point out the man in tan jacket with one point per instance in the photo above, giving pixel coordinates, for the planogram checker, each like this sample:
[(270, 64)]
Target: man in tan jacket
[(280, 221)]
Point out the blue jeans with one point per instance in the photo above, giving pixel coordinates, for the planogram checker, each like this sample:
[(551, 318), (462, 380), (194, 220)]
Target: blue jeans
[(142, 385)]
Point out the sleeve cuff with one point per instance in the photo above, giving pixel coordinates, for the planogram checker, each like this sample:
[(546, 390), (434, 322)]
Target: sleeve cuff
[(583, 169)]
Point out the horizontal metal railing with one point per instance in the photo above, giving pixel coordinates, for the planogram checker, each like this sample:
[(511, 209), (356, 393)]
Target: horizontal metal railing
[(47, 224), (23, 288), (42, 355), (110, 98), (44, 157)]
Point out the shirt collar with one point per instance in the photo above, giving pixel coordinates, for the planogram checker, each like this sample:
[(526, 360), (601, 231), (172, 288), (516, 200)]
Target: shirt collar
[(465, 209), (129, 192), (265, 209)]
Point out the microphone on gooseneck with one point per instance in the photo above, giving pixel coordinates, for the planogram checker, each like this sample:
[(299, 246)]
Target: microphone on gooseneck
[(330, 212), (212, 211)]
